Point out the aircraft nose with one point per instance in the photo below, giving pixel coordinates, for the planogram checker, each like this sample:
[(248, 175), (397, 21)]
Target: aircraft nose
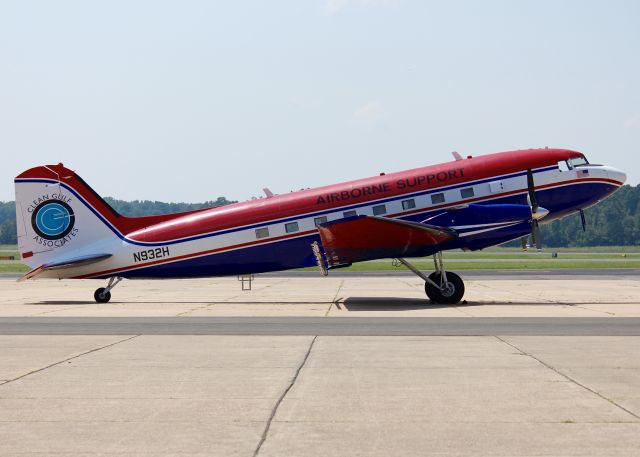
[(617, 175)]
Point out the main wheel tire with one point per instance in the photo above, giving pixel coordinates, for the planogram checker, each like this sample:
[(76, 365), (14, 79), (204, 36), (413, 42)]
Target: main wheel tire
[(453, 290), (101, 296)]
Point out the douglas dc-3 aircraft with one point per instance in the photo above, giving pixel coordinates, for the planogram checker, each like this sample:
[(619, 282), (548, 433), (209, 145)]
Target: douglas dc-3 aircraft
[(65, 230)]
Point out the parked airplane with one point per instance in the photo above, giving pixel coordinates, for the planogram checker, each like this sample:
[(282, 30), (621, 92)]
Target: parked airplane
[(66, 230)]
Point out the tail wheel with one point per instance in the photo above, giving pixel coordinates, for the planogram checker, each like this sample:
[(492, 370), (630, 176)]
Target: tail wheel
[(451, 292), (101, 296)]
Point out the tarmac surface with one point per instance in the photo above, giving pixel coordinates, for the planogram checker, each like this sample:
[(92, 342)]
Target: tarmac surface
[(324, 326), (306, 367)]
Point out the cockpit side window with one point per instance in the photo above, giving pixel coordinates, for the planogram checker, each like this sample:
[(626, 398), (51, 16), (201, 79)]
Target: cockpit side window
[(565, 165), (578, 161)]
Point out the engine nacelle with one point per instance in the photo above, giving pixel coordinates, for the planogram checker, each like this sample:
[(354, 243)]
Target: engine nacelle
[(479, 226)]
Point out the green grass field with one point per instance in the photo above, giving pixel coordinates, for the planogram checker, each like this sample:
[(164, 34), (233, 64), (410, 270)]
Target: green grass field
[(493, 258), (9, 249), (492, 265), (13, 268)]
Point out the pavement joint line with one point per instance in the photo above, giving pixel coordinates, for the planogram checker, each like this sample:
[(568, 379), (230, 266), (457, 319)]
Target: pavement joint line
[(410, 284), (589, 309), (68, 359), (569, 378), (546, 300), (265, 433), (183, 313), (562, 303), (54, 311), (208, 421)]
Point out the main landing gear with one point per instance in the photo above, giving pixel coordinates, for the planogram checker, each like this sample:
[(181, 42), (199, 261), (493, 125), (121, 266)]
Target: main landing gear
[(444, 287), (103, 294)]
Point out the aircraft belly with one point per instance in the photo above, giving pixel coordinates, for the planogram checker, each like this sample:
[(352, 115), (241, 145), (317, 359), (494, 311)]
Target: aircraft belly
[(281, 255)]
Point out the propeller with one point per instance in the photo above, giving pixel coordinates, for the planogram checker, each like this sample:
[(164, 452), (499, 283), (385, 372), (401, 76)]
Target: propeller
[(533, 201), (524, 241), (537, 212)]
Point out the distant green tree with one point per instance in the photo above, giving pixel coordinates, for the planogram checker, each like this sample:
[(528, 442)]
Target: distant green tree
[(613, 222), (7, 211), (8, 234), (138, 208)]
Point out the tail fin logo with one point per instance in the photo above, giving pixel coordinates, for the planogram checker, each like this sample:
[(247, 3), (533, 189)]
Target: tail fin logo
[(53, 220)]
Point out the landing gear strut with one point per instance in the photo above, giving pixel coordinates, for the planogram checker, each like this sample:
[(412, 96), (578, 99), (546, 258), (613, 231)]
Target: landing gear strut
[(444, 287), (103, 294)]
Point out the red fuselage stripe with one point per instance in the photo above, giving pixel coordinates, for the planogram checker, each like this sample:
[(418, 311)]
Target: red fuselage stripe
[(308, 232)]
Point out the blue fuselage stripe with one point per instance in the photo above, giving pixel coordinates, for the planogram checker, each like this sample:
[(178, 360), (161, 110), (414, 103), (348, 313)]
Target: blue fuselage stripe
[(296, 252)]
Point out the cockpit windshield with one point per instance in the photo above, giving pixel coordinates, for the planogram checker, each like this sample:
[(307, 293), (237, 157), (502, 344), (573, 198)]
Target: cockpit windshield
[(578, 161)]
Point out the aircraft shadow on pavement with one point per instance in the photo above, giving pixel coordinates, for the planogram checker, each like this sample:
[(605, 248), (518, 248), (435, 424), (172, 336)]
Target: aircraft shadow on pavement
[(391, 304), (175, 302), (64, 302), (407, 304)]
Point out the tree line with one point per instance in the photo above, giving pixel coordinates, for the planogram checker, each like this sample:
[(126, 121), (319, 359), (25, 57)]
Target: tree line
[(613, 222), (135, 208)]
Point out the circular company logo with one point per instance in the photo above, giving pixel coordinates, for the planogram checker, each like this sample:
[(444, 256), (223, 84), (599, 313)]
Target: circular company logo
[(53, 220)]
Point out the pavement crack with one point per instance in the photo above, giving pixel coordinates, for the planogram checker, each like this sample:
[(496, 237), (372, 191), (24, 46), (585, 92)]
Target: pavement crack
[(335, 299), (569, 378), (265, 433), (69, 358)]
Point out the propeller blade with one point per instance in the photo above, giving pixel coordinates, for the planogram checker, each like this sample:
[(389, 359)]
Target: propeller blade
[(535, 234), (533, 202), (584, 221)]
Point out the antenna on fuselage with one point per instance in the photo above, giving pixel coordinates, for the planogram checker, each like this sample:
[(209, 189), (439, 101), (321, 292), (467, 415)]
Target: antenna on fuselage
[(267, 192), (456, 155)]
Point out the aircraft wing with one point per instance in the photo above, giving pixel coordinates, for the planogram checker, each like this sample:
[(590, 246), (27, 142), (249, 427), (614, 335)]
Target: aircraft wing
[(369, 237), (69, 263)]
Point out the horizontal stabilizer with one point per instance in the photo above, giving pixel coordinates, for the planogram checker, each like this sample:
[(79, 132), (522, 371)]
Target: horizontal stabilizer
[(366, 238), (69, 263)]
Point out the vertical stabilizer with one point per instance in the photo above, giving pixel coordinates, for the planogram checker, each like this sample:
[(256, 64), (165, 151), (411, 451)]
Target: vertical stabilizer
[(59, 216)]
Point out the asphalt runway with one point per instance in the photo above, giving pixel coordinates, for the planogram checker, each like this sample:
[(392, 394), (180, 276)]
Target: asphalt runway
[(322, 326)]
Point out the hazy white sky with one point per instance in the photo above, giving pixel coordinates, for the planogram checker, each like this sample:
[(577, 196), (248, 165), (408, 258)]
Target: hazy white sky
[(191, 100)]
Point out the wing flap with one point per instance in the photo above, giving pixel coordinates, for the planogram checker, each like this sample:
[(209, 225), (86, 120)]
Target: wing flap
[(368, 237), (69, 263)]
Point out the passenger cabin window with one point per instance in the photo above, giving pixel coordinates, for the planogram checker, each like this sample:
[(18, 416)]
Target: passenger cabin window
[(350, 213), (408, 204), (291, 227), (319, 220), (379, 209), (437, 198), (467, 192), (262, 232)]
